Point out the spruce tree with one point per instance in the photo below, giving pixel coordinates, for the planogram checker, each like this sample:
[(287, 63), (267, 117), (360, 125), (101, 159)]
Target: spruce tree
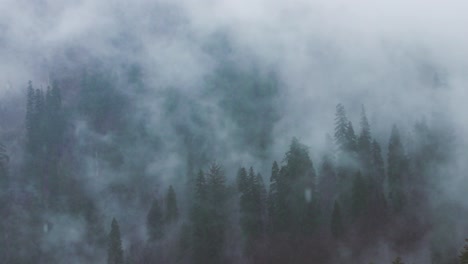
[(364, 142), (273, 199), (172, 212), (114, 250), (396, 170), (336, 224), (341, 128), (154, 221), (397, 261)]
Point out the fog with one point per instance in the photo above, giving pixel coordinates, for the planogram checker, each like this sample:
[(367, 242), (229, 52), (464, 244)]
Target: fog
[(405, 61)]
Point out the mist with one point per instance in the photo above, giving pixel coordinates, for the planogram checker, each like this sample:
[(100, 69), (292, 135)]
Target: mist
[(154, 91)]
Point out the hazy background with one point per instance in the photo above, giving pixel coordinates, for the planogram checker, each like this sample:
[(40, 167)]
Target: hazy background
[(403, 60)]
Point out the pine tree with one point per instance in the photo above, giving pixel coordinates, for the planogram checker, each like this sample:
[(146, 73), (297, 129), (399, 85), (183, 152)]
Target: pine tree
[(114, 250), (273, 199), (336, 224), (327, 182), (242, 180), (199, 220), (216, 190), (341, 128), (172, 212), (364, 141), (377, 163), (154, 221), (396, 170), (464, 254), (360, 196)]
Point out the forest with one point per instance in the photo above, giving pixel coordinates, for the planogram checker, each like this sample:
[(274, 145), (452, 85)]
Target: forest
[(359, 193), (220, 131)]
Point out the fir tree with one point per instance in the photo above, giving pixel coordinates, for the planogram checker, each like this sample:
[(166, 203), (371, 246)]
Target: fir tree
[(364, 141), (114, 250), (336, 224), (172, 212), (154, 221), (396, 170), (341, 128)]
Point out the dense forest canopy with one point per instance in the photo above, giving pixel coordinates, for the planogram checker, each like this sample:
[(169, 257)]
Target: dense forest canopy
[(233, 132)]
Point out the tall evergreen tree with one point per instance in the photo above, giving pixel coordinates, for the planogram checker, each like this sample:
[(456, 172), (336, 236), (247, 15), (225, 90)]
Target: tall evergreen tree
[(216, 190), (360, 196), (172, 212), (155, 221), (396, 170), (341, 128), (336, 225), (199, 220), (114, 250), (364, 142), (242, 180)]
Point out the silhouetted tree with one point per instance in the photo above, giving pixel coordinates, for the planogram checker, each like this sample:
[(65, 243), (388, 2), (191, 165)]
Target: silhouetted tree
[(336, 224), (172, 212), (155, 221), (114, 250), (396, 170)]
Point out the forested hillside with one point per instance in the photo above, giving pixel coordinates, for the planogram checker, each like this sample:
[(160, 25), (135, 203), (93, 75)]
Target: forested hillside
[(206, 132)]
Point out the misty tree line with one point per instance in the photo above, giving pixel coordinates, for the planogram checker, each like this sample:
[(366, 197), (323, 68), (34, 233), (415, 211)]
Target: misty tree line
[(354, 196)]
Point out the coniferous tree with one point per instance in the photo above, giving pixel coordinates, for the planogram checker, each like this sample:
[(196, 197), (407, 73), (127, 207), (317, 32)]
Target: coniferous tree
[(216, 190), (360, 196), (341, 128), (299, 176), (327, 183), (199, 221), (155, 221), (378, 168), (114, 250), (396, 170), (274, 202), (336, 224), (172, 212), (242, 180), (364, 142)]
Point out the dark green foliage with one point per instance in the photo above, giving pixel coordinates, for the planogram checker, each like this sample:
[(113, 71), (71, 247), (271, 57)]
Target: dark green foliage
[(209, 216), (155, 221), (360, 196), (336, 224), (299, 185), (397, 169), (172, 212), (378, 170), (252, 207), (463, 257), (364, 142), (327, 182), (242, 180), (114, 250)]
